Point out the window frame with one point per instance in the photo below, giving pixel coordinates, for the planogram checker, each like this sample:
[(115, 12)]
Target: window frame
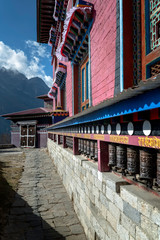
[(83, 66)]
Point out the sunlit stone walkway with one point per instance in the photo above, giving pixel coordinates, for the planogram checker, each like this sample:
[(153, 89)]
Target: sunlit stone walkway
[(42, 208)]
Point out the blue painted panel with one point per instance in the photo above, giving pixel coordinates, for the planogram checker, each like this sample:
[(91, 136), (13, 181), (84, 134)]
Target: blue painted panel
[(146, 101), (147, 26), (87, 64), (83, 86)]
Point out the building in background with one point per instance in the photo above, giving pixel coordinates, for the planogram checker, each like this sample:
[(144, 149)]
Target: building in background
[(28, 127), (106, 65)]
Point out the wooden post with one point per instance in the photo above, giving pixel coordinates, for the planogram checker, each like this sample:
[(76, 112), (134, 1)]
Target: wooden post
[(64, 142), (103, 158), (75, 146), (58, 139), (54, 137)]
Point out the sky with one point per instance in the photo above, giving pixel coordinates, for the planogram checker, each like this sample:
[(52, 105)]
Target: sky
[(19, 49)]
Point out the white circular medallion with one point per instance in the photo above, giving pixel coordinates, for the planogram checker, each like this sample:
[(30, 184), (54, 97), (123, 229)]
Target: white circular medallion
[(109, 129), (130, 128), (118, 129), (92, 129), (146, 128), (102, 129)]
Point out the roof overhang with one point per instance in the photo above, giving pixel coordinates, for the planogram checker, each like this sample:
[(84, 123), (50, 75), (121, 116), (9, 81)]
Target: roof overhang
[(76, 26), (145, 96), (45, 10)]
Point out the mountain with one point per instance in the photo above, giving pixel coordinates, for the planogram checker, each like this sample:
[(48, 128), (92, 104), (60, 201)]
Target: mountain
[(18, 93)]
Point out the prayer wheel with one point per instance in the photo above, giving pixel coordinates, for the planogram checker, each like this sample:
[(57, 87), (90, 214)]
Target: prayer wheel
[(132, 160), (82, 145), (146, 164), (92, 149), (121, 157), (158, 169), (79, 145), (61, 139), (112, 154), (96, 152), (85, 147), (88, 147)]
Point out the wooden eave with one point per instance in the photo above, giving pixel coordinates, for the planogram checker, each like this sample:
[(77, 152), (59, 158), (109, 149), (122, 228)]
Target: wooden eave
[(45, 9)]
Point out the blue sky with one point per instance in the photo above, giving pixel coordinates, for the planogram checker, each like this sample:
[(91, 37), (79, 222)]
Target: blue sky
[(18, 35)]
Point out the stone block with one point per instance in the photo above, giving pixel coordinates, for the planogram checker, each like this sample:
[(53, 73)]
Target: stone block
[(118, 202), (128, 225), (128, 197), (122, 232), (96, 192), (113, 182), (103, 199), (141, 235), (112, 220), (98, 184), (131, 213), (110, 194), (155, 216), (111, 233), (149, 228), (114, 210)]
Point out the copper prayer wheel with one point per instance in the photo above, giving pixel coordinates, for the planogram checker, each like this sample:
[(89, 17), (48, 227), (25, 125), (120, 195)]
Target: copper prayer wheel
[(82, 145), (112, 154), (79, 145), (85, 147), (92, 149), (132, 160), (61, 139), (88, 147), (121, 157), (146, 164), (69, 142), (158, 169), (96, 152)]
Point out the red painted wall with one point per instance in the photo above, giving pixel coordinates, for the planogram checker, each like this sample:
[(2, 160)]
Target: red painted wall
[(103, 37), (103, 50), (69, 88)]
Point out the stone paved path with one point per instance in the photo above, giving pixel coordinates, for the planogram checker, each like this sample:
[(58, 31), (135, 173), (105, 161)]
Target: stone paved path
[(42, 208)]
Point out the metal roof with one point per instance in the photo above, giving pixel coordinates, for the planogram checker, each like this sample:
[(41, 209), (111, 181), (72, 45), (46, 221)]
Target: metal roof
[(29, 112)]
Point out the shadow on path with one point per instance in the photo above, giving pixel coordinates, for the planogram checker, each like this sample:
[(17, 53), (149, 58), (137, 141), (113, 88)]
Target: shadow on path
[(21, 222)]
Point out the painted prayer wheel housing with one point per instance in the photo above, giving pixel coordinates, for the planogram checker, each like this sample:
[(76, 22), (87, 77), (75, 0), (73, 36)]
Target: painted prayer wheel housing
[(132, 160), (147, 164), (121, 157), (158, 169), (92, 149), (112, 154)]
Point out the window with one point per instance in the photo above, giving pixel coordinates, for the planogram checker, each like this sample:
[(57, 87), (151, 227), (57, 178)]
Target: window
[(84, 72)]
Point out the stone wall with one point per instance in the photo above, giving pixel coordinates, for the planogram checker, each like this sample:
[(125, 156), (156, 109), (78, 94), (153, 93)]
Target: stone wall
[(15, 138), (107, 206)]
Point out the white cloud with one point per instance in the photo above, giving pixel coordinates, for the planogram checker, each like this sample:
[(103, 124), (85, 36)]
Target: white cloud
[(16, 59), (37, 49)]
